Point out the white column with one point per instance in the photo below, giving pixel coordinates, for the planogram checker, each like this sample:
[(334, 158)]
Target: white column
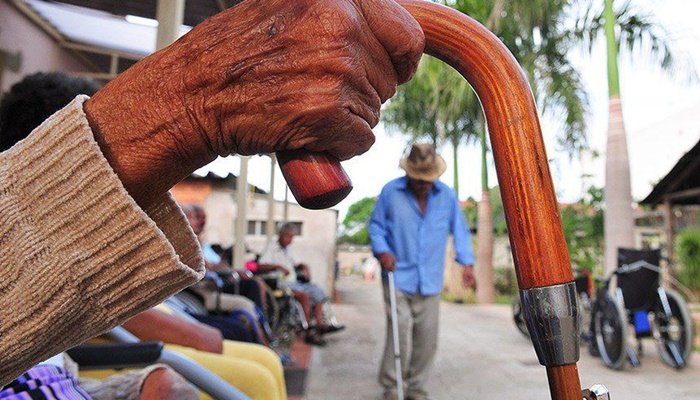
[(286, 204), (170, 14), (241, 218), (270, 230)]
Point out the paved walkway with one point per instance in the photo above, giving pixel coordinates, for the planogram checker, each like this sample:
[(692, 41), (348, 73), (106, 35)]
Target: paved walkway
[(481, 355)]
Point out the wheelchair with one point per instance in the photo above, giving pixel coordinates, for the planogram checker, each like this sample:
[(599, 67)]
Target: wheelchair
[(639, 303), (290, 320)]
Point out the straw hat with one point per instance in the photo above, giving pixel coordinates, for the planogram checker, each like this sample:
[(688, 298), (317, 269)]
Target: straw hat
[(423, 163)]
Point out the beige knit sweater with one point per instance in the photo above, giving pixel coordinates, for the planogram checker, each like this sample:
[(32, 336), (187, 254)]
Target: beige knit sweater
[(77, 255)]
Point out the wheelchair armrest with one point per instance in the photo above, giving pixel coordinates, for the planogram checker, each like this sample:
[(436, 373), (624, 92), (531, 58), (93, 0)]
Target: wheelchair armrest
[(229, 275), (245, 274), (201, 377), (116, 355)]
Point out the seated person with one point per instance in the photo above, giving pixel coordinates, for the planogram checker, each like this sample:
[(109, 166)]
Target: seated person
[(254, 369), (252, 288), (28, 103), (278, 259), (59, 376), (92, 181), (238, 325)]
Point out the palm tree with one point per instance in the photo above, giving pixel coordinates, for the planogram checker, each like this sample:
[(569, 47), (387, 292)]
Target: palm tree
[(486, 293), (534, 32), (437, 104), (637, 31)]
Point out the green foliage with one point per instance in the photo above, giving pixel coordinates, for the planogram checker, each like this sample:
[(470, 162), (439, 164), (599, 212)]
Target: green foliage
[(498, 215), (360, 238), (437, 104), (504, 281), (355, 222), (471, 212), (688, 253), (467, 297), (359, 213), (636, 31), (537, 33), (583, 230)]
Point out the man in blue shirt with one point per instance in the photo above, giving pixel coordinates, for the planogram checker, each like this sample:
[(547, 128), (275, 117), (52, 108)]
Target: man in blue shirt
[(409, 227)]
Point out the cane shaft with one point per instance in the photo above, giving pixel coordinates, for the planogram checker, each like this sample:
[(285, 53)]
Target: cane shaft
[(395, 335), (524, 179), (532, 212), (529, 200), (564, 382)]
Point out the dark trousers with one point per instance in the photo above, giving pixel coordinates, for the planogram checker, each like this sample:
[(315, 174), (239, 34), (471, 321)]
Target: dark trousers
[(230, 328), (248, 288)]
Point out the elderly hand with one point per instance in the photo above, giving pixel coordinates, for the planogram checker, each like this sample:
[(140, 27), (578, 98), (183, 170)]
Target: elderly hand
[(387, 261), (257, 78), (468, 279)]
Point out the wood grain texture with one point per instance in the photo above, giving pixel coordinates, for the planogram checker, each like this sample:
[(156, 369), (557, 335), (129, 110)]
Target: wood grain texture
[(564, 383), (532, 213), (317, 180)]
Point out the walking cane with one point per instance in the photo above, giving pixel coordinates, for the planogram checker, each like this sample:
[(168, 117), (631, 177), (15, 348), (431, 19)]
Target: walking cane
[(395, 330), (537, 240)]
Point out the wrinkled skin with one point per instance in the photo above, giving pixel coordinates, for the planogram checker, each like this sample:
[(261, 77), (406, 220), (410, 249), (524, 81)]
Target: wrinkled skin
[(260, 77)]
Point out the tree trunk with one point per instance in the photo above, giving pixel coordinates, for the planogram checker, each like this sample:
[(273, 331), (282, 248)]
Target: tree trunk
[(485, 292), (455, 166), (619, 221), (453, 277)]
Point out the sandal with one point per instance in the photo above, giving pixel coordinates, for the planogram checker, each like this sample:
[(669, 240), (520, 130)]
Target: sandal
[(313, 337)]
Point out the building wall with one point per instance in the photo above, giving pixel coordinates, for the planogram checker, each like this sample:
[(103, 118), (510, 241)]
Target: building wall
[(352, 258), (194, 192), (37, 50), (315, 245)]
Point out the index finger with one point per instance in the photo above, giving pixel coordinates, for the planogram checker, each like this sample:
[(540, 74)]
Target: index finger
[(398, 32)]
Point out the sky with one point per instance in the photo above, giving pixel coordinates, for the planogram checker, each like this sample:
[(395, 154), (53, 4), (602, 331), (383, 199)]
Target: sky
[(661, 114)]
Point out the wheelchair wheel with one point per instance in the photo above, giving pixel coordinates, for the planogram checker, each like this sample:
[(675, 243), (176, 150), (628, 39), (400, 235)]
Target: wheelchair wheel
[(286, 329), (519, 318), (610, 321), (584, 319), (674, 334), (273, 308)]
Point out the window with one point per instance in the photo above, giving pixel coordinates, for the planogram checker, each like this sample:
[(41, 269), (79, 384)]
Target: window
[(253, 227)]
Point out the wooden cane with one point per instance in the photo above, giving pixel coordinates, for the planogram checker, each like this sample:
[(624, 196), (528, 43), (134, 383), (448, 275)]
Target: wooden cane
[(317, 180), (532, 213)]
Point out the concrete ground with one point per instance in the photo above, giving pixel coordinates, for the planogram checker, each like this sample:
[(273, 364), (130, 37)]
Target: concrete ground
[(481, 355)]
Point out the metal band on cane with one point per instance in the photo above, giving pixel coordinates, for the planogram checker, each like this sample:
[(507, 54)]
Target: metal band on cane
[(551, 314)]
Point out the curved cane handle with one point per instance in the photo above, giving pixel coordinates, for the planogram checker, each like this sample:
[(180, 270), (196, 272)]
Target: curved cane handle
[(532, 213)]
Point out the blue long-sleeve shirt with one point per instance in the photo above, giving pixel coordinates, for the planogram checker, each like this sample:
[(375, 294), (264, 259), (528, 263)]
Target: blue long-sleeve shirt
[(418, 240)]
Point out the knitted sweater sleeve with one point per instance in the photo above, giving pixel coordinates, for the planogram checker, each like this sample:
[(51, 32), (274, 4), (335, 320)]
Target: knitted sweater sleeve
[(77, 255)]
